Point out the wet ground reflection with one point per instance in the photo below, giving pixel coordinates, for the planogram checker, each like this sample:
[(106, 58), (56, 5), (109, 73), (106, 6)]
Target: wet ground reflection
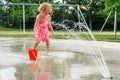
[(60, 65)]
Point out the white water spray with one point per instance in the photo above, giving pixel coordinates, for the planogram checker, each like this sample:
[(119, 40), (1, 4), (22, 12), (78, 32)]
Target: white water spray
[(94, 53)]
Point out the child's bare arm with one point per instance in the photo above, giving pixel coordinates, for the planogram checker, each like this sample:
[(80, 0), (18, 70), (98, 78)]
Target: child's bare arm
[(50, 26), (37, 18)]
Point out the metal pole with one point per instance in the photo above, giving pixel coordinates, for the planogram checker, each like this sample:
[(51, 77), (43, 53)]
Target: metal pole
[(23, 18), (115, 24), (86, 26), (105, 22)]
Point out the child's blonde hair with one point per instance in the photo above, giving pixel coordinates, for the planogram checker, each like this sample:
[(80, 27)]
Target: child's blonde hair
[(45, 8)]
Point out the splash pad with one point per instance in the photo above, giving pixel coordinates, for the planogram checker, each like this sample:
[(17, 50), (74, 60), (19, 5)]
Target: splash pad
[(69, 63), (93, 53)]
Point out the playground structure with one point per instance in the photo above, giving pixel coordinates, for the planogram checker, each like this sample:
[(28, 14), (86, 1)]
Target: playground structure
[(115, 23)]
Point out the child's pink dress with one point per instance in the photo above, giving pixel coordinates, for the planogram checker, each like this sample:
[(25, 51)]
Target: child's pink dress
[(41, 32)]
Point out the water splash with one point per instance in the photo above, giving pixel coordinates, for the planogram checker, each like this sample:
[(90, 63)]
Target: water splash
[(85, 34), (97, 57), (3, 1)]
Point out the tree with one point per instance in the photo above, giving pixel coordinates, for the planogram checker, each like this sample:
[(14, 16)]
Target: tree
[(30, 12), (90, 8), (114, 6), (111, 5)]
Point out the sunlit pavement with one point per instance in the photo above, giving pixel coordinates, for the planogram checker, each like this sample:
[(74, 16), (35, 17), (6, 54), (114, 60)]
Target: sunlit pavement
[(67, 60)]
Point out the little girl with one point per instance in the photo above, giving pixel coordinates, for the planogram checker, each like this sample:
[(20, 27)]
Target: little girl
[(43, 25)]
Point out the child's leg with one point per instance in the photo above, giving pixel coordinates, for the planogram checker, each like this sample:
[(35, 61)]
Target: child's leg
[(36, 43), (48, 45)]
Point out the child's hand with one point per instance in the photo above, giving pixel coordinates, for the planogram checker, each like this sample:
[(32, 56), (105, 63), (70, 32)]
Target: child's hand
[(53, 33)]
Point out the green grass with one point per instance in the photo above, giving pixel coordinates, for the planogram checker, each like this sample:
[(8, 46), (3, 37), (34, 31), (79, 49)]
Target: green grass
[(16, 33), (107, 37), (7, 29)]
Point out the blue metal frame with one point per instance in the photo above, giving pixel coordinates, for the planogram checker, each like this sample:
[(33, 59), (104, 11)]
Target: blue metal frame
[(27, 4)]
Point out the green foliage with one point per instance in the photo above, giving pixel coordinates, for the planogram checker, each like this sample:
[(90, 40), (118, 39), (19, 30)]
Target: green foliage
[(90, 8), (111, 5)]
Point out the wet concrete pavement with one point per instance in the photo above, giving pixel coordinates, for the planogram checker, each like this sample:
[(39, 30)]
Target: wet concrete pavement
[(66, 62)]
